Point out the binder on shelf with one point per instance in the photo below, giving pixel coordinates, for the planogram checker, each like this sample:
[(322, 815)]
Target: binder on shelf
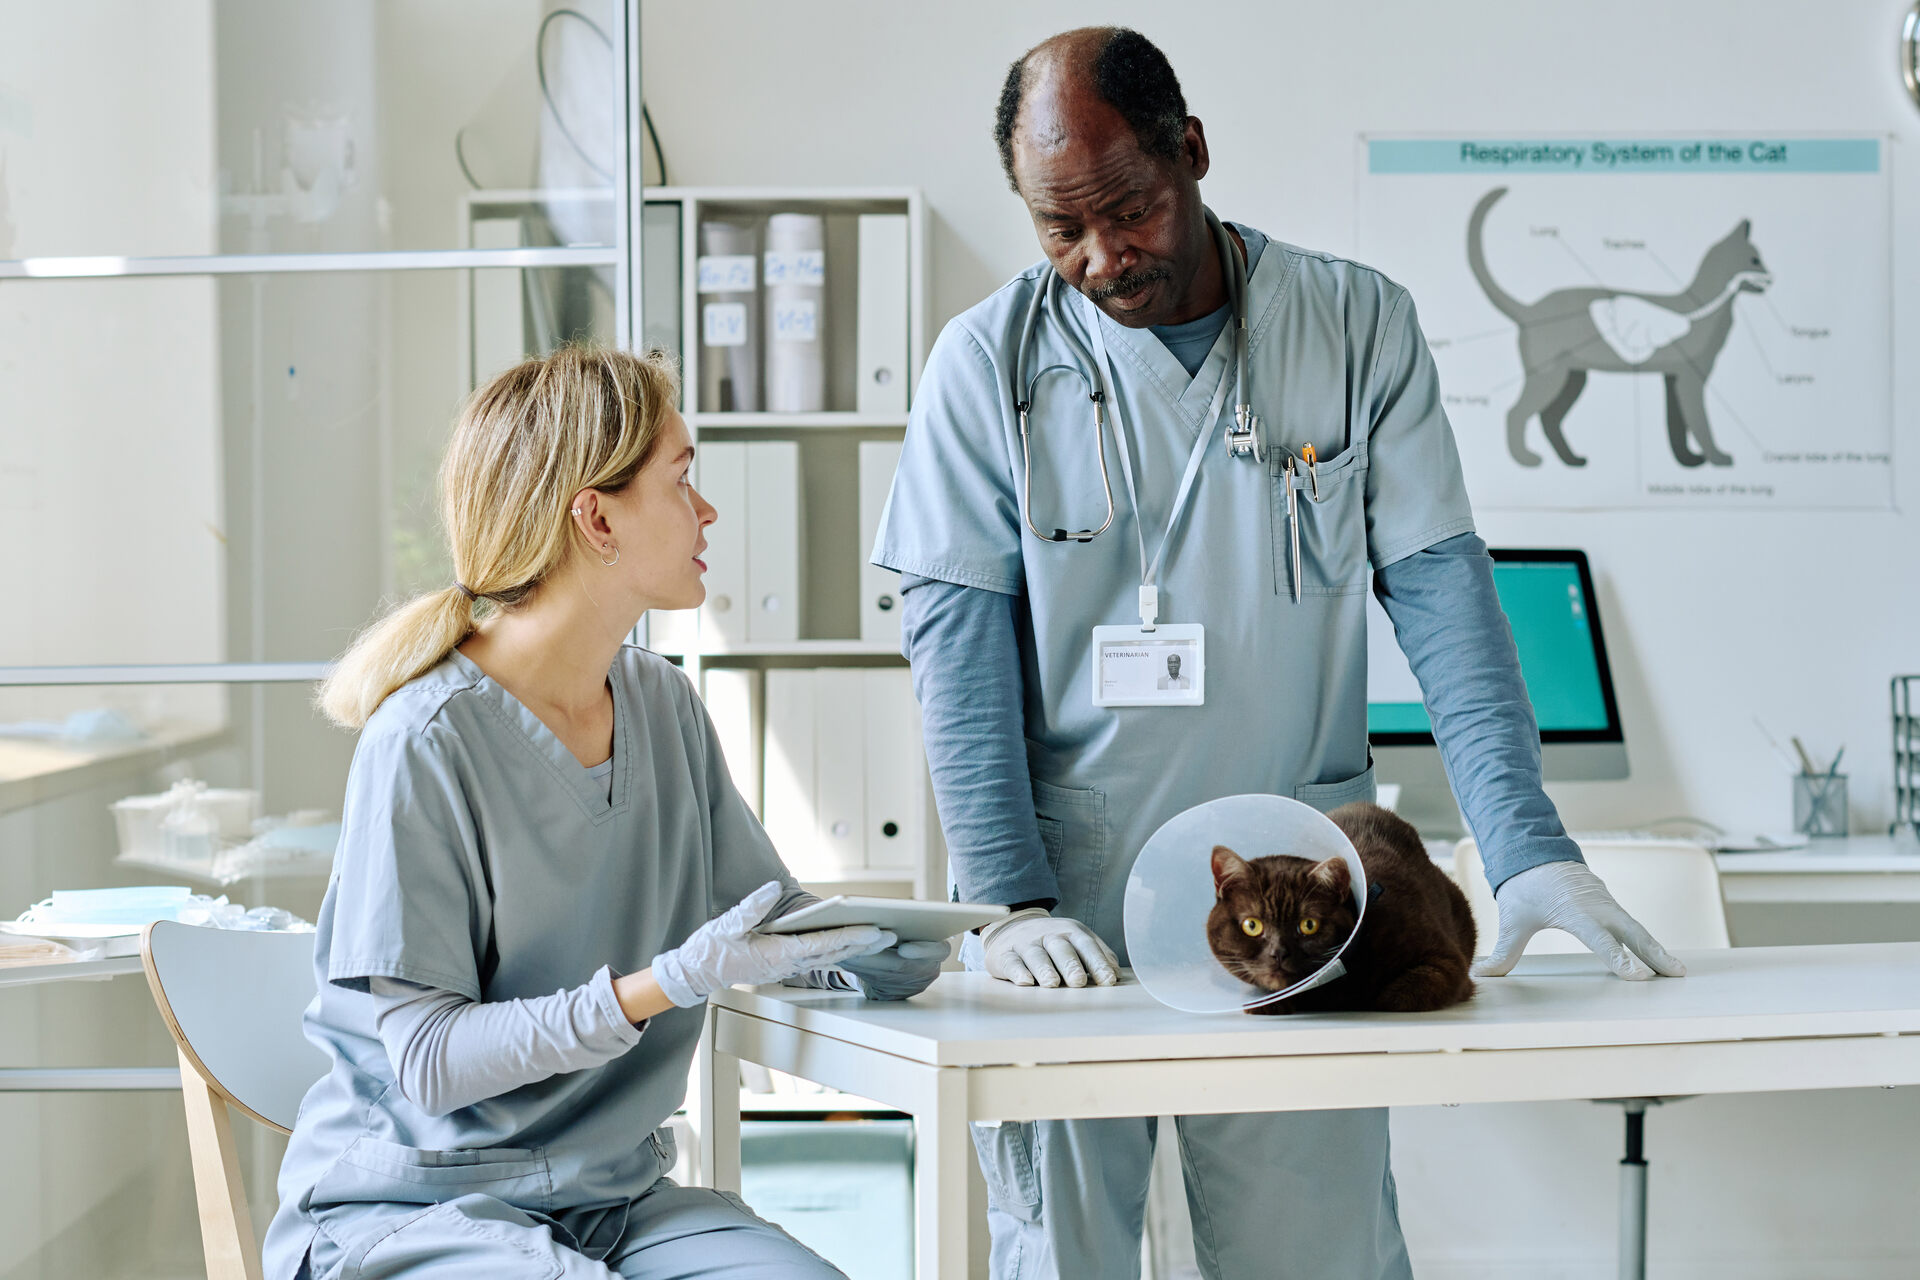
[(840, 768), (727, 278), (771, 516), (660, 279), (787, 772), (795, 271), (721, 477), (881, 320), (734, 704), (879, 588), (844, 773), (897, 785)]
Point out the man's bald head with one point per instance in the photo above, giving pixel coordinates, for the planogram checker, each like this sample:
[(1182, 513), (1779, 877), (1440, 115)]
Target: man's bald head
[(1112, 65), (1098, 145)]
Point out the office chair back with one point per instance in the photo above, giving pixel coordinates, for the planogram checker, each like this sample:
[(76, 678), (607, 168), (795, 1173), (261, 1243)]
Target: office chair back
[(1671, 887), (232, 1001)]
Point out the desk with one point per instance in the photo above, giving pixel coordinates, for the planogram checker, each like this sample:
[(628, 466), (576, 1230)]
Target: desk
[(79, 1079), (971, 1048), (1859, 869)]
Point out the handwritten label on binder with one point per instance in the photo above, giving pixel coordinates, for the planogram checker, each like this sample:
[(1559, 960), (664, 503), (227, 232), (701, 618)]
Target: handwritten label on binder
[(796, 266), (724, 324), (726, 273), (796, 321)]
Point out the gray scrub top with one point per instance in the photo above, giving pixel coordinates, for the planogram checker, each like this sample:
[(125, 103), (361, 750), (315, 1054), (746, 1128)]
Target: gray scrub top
[(1335, 358), (477, 856)]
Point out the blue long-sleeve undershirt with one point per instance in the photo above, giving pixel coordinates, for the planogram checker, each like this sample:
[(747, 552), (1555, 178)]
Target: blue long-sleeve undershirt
[(963, 644)]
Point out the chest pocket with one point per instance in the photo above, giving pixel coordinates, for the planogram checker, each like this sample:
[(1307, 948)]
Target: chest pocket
[(1333, 525)]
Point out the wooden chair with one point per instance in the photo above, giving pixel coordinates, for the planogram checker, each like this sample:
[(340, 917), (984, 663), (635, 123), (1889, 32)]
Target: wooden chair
[(232, 1001), (1671, 887)]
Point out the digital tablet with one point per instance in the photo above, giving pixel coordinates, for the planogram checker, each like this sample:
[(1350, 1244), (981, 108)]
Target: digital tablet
[(908, 919)]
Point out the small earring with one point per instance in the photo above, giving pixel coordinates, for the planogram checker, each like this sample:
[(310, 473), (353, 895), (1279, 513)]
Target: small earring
[(576, 511), (616, 556)]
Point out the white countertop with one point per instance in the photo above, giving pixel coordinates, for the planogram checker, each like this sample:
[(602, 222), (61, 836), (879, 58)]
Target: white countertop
[(1854, 854), (21, 975), (968, 1019)]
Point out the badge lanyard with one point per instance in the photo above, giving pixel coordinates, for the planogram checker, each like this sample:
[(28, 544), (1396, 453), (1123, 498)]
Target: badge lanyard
[(1155, 663)]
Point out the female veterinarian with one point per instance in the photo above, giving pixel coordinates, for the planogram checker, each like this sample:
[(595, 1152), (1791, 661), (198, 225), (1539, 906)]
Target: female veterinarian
[(544, 871)]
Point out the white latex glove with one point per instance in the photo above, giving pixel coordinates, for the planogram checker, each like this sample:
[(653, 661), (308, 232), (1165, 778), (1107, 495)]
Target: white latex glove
[(725, 950), (1033, 949), (1566, 895)]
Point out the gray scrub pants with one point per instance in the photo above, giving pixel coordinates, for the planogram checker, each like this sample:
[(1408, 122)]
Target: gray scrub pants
[(1305, 1195), (670, 1233)]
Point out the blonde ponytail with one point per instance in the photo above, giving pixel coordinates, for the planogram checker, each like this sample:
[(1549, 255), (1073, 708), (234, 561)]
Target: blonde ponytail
[(581, 418), (404, 645)]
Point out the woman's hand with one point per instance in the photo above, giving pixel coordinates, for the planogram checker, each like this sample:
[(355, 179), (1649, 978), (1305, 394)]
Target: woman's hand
[(725, 951)]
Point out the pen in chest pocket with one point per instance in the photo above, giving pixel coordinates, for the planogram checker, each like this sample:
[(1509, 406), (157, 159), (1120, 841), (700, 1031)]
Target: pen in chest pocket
[(1293, 526)]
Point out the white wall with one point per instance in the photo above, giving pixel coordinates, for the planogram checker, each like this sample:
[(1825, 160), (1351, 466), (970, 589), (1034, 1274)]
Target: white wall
[(1799, 616), (1711, 617)]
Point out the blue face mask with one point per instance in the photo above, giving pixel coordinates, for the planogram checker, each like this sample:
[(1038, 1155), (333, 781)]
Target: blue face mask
[(137, 904)]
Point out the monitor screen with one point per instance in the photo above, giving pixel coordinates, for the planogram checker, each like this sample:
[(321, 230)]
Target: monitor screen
[(1548, 599)]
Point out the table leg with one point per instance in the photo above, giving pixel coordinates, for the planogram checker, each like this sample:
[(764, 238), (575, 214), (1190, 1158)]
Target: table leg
[(719, 1119), (944, 1200)]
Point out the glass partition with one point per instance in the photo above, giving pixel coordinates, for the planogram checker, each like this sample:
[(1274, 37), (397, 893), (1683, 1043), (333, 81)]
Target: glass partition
[(241, 468), (275, 126), (220, 427)]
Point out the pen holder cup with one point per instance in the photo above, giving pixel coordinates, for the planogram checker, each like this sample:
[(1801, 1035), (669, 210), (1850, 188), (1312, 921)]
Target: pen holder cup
[(1820, 804)]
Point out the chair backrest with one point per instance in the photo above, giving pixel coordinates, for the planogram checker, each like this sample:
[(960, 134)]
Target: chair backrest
[(233, 1002), (1671, 887)]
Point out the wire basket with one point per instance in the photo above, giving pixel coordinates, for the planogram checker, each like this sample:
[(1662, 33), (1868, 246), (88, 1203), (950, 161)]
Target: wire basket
[(1906, 754)]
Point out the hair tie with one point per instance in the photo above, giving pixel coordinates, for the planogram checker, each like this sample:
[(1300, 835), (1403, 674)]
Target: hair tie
[(466, 590)]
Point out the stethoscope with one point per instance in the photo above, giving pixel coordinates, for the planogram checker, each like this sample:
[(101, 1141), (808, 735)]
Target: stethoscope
[(1243, 435)]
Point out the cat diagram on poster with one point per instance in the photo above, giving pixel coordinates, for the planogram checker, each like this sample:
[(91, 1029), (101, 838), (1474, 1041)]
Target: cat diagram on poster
[(1657, 323)]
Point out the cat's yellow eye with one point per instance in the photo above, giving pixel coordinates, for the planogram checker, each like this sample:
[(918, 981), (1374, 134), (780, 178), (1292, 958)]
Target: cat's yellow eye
[(1309, 926), (1252, 927)]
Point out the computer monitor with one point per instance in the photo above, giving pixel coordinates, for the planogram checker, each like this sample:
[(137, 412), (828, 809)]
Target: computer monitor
[(1549, 602)]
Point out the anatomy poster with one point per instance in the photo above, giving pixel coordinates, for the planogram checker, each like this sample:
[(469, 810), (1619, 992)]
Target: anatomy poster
[(1666, 322)]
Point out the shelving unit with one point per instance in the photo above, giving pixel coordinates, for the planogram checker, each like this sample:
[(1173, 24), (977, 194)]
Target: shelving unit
[(830, 534), (827, 421)]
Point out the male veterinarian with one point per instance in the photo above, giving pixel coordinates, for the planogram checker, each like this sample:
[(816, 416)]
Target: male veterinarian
[(1046, 794)]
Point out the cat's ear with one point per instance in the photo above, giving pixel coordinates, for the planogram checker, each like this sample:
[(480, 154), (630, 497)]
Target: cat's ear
[(1333, 875), (1227, 865)]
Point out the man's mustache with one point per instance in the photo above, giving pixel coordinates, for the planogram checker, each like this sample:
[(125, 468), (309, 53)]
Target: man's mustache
[(1132, 282)]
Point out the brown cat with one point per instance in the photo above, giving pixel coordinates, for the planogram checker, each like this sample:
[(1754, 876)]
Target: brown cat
[(1277, 919)]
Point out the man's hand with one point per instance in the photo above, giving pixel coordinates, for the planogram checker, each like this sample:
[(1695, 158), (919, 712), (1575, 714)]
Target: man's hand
[(900, 972), (1566, 895), (1033, 949)]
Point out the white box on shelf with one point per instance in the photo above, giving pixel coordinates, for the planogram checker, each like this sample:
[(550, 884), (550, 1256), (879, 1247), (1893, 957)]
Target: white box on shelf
[(726, 278), (795, 275), (734, 702), (897, 783), (772, 521), (881, 322), (722, 480), (840, 767), (673, 630), (879, 588), (787, 771)]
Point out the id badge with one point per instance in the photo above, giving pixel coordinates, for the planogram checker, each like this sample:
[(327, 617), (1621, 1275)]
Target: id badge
[(1165, 667)]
